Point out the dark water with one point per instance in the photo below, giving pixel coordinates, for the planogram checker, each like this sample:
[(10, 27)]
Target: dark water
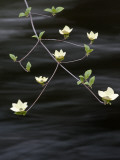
[(67, 123)]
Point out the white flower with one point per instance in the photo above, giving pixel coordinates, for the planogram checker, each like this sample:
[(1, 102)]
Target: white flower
[(59, 55), (41, 79), (19, 106), (108, 94), (66, 30), (92, 36)]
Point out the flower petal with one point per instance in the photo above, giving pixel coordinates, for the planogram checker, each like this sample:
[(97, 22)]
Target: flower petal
[(101, 94)]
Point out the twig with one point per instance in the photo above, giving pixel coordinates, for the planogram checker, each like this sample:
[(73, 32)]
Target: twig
[(22, 67), (44, 88), (31, 19), (40, 15), (28, 52), (58, 40), (76, 60)]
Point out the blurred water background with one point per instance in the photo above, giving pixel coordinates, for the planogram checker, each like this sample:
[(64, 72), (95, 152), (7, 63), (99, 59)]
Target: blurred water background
[(67, 123)]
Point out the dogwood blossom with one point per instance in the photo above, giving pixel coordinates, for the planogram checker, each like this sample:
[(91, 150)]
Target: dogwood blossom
[(19, 106), (92, 36), (59, 55), (41, 79), (66, 31), (108, 95)]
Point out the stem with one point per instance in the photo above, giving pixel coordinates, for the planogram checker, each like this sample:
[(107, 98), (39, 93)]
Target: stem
[(22, 67), (44, 88), (58, 40), (31, 19), (41, 15), (28, 52), (76, 60)]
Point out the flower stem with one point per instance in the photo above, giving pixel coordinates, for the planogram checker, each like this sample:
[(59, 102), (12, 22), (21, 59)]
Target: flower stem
[(43, 88)]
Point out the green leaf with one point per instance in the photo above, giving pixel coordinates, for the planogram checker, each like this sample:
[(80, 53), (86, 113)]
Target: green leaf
[(53, 10), (28, 66), (59, 9), (41, 34), (21, 14), (78, 82), (28, 10), (91, 81), (88, 50), (34, 36), (48, 10), (22, 113), (87, 74), (81, 78), (87, 83), (13, 57)]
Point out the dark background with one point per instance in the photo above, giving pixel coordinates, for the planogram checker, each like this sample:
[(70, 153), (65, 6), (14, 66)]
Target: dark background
[(67, 123)]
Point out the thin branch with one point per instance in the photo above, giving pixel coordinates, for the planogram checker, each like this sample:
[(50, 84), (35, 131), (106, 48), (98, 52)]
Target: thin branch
[(58, 40), (76, 60), (40, 15), (29, 52), (34, 30), (22, 67), (44, 88)]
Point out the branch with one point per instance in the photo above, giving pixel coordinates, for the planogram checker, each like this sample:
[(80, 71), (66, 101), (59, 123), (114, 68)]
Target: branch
[(28, 52), (56, 60), (44, 88), (22, 67), (31, 19), (76, 60), (58, 40), (40, 15)]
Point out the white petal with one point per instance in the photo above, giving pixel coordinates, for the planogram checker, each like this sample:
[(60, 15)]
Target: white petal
[(96, 35), (14, 109), (114, 96), (91, 33), (60, 31), (109, 91), (66, 28), (88, 35), (101, 94)]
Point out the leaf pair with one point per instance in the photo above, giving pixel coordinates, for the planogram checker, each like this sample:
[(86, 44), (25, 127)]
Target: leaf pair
[(88, 50), (54, 10), (26, 13), (40, 35), (14, 58), (84, 79)]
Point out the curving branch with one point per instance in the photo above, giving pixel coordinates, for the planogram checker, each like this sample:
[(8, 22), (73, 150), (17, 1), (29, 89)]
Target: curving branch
[(59, 40), (43, 88), (40, 15), (76, 60), (28, 52)]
